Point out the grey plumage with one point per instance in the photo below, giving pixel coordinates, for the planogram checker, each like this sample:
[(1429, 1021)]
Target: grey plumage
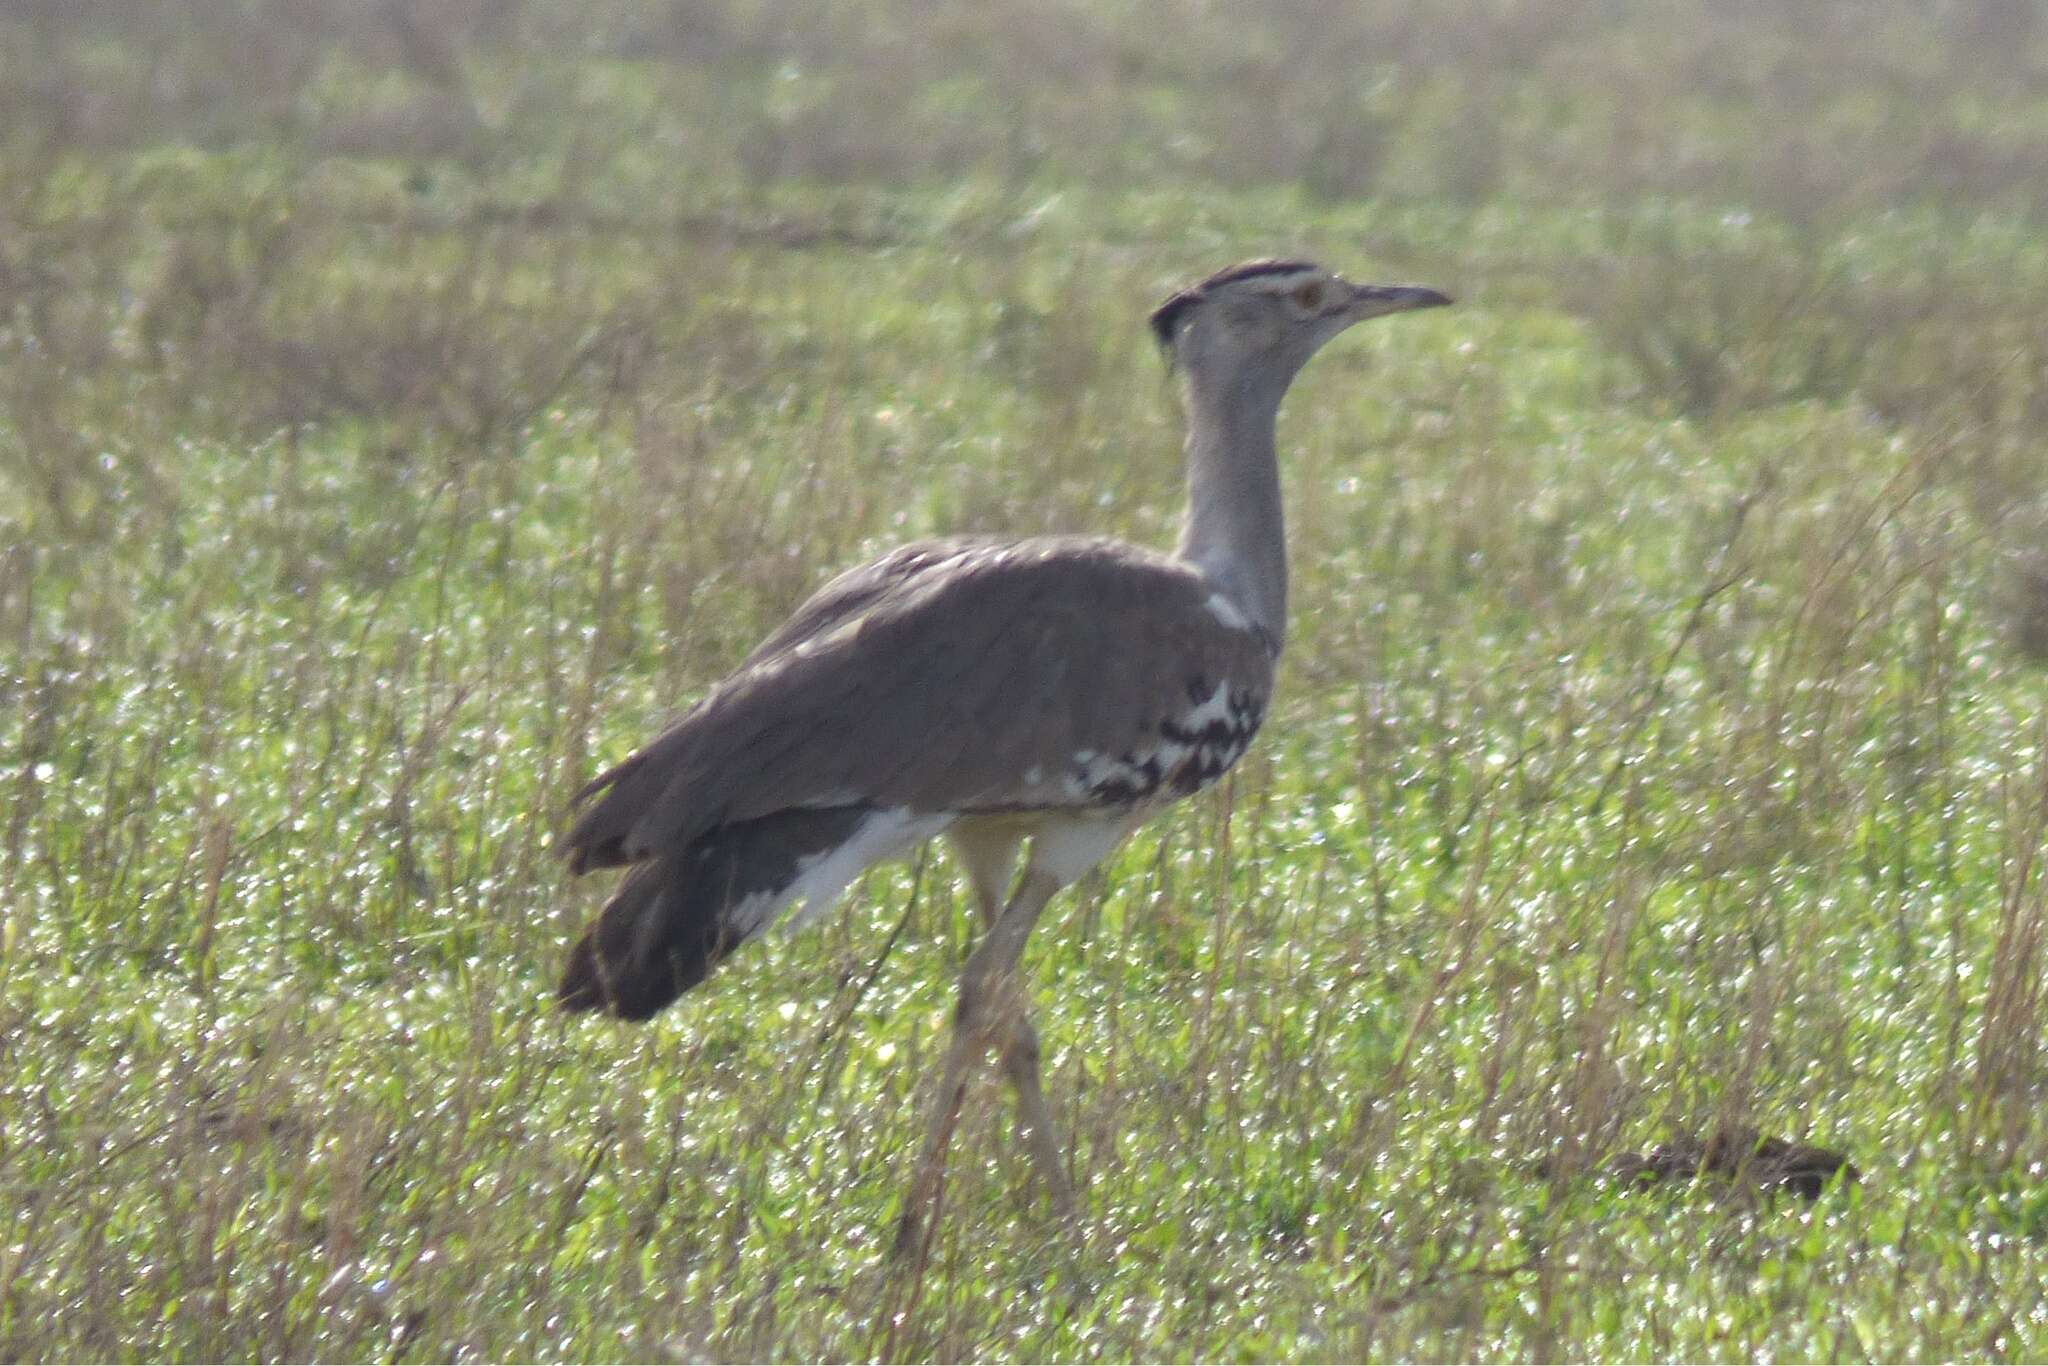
[(932, 681), (1055, 689), (938, 678)]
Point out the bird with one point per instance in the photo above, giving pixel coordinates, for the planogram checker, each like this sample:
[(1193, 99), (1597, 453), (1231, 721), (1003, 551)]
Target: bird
[(1042, 696)]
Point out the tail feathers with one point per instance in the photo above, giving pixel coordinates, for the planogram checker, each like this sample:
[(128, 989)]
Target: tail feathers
[(674, 919)]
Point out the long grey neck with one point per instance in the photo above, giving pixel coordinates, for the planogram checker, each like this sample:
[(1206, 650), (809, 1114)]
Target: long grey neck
[(1235, 532)]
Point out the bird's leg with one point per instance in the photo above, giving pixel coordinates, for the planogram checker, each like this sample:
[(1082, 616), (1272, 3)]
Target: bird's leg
[(990, 864), (987, 1015), (1034, 1117), (989, 854)]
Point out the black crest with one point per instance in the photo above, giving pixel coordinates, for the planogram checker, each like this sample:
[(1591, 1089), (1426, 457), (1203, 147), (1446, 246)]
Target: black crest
[(1167, 317)]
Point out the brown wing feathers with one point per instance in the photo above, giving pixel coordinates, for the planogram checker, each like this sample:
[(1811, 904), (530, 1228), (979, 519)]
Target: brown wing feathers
[(946, 677)]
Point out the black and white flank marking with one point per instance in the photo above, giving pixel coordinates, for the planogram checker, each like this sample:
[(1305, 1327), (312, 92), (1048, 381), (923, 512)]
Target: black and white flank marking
[(1186, 752)]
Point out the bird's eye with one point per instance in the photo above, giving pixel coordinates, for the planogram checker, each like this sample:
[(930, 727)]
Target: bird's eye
[(1309, 296)]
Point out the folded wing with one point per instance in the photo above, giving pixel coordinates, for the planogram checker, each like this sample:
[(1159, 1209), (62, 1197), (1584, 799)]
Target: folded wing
[(955, 676)]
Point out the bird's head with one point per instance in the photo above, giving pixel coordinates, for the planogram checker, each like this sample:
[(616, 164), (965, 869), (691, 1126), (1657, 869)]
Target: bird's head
[(1264, 319)]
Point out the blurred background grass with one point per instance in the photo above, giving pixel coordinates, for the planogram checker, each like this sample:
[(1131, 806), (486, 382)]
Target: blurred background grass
[(404, 407)]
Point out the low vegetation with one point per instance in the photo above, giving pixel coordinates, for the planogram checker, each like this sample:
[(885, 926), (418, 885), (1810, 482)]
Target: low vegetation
[(404, 408)]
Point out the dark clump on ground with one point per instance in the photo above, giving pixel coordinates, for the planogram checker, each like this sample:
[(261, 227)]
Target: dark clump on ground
[(1737, 1156)]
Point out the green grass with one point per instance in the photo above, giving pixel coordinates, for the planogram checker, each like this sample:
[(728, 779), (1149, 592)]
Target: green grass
[(387, 443)]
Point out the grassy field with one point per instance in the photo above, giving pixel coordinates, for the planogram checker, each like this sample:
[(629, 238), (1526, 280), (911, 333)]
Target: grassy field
[(403, 409)]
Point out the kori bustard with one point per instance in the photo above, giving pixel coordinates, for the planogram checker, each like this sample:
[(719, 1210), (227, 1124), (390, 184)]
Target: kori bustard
[(1057, 690)]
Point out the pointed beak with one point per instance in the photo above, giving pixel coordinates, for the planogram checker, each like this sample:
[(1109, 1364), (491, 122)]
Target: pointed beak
[(1374, 301)]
